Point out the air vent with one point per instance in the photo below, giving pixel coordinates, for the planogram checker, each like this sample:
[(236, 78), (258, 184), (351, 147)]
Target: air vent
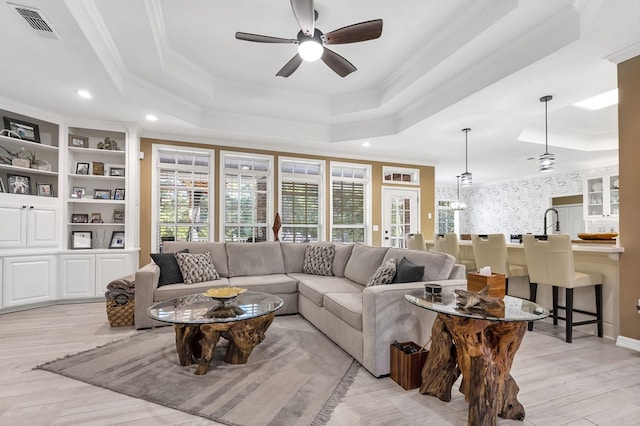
[(36, 20)]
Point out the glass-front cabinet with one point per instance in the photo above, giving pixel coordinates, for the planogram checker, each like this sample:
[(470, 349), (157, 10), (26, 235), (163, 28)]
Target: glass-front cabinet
[(601, 196)]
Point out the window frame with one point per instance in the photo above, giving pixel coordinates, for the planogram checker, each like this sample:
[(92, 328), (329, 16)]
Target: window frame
[(413, 172), (368, 191)]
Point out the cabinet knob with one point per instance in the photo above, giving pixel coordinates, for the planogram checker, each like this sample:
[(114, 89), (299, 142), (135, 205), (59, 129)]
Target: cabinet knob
[(30, 207), (24, 207)]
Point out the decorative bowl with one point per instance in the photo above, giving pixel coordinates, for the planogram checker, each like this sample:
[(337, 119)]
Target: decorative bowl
[(596, 187), (224, 292), (598, 236)]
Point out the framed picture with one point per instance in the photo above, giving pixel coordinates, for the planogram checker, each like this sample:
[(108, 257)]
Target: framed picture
[(2, 189), (82, 168), (19, 184), (102, 194), (96, 217), (79, 218), (118, 216), (118, 194), (98, 168), (81, 239), (44, 189), (78, 141), (78, 192), (117, 240), (27, 131), (116, 171)]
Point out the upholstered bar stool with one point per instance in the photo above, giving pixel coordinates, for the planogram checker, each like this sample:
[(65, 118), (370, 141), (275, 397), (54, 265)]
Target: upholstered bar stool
[(448, 243), (416, 242), (491, 250), (551, 262)]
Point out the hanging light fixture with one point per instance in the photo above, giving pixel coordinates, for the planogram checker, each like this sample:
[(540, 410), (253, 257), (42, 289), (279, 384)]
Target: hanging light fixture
[(546, 161), (458, 205), (467, 178)]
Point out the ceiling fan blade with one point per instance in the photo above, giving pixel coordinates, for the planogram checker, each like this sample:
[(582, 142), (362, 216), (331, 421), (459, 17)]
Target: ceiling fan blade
[(337, 63), (263, 38), (290, 66), (305, 15), (362, 31)]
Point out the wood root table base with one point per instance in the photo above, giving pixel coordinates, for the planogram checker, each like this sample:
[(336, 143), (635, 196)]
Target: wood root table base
[(483, 352), (198, 341)]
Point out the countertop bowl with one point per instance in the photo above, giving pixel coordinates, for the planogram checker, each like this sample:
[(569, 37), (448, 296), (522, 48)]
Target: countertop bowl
[(598, 236)]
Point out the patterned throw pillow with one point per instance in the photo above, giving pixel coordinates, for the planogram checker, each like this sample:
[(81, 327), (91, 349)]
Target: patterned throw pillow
[(318, 259), (384, 274), (196, 267)]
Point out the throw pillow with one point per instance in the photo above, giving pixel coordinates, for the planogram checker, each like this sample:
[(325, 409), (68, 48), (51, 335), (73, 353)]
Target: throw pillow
[(318, 259), (196, 267), (384, 274), (408, 272), (169, 269)]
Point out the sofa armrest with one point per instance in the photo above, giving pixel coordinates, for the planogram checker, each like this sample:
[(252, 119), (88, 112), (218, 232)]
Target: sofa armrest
[(147, 279), (458, 272), (388, 316)]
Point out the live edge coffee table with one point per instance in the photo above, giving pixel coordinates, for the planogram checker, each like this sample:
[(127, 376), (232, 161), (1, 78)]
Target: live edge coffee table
[(199, 322), (481, 346)]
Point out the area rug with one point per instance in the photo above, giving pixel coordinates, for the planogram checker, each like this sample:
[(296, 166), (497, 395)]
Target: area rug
[(296, 376)]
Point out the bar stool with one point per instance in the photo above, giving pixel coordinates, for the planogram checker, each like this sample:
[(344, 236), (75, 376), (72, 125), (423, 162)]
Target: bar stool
[(551, 262), (416, 242), (448, 243), (491, 250)]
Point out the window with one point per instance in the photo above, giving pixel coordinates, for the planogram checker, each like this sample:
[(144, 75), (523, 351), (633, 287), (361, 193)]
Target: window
[(246, 196), (181, 203), (400, 175), (350, 203), (446, 218), (300, 199)]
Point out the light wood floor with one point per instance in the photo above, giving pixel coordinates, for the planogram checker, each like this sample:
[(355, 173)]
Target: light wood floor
[(588, 382)]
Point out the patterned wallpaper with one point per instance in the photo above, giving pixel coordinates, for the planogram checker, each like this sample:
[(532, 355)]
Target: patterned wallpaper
[(514, 207)]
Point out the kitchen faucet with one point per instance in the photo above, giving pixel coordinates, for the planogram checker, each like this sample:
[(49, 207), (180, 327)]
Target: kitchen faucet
[(557, 220)]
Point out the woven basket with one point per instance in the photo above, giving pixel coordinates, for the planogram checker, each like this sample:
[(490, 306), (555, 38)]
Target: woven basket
[(120, 315)]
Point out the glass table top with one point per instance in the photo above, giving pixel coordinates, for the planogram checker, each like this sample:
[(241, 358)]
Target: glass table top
[(515, 309), (197, 308)]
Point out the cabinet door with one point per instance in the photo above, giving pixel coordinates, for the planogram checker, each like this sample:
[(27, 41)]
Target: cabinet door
[(77, 275), (42, 226), (108, 268), (13, 226), (28, 279)]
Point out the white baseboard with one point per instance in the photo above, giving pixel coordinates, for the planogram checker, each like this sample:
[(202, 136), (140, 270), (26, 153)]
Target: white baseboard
[(629, 343)]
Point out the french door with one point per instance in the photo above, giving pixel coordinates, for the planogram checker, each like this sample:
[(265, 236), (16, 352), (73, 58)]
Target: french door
[(400, 215)]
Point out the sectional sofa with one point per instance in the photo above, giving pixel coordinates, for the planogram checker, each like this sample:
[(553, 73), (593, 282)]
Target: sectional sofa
[(363, 320)]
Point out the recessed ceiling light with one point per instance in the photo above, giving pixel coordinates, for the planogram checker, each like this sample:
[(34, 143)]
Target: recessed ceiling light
[(600, 101), (151, 117), (84, 94), (366, 144)]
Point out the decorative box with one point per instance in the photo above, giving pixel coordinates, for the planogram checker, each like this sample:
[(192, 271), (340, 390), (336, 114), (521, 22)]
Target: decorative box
[(20, 162), (406, 368), (496, 283)]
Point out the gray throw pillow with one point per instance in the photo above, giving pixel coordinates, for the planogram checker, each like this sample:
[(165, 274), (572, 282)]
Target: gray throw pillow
[(318, 259), (408, 272), (384, 274), (196, 267), (169, 269)]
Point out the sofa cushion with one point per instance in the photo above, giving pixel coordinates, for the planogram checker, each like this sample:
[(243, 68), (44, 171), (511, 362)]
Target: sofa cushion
[(408, 272), (217, 250), (172, 291), (314, 287), (343, 253), (169, 269), (272, 283), (246, 259), (438, 266), (363, 262), (347, 307), (384, 274), (293, 256), (318, 259), (196, 267)]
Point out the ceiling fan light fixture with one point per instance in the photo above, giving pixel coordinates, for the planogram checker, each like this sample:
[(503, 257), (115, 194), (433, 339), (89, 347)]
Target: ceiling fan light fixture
[(310, 50)]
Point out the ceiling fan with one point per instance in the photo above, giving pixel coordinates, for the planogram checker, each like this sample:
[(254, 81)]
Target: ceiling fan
[(311, 41)]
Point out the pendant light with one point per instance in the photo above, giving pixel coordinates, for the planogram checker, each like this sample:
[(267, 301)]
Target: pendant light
[(458, 205), (546, 161), (467, 178)]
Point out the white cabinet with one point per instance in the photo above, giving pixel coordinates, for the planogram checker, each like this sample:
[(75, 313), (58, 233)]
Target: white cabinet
[(27, 224), (87, 274), (110, 267), (601, 196), (28, 279)]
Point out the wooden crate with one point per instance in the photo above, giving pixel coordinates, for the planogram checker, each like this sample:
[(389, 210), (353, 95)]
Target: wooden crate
[(496, 283), (406, 369)]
